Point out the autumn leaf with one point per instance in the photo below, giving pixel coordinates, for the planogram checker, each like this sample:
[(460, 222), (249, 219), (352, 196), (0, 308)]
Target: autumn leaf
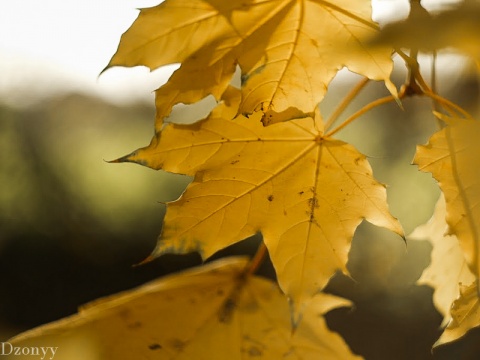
[(465, 315), (288, 51), (212, 312), (456, 27), (452, 156), (304, 192), (448, 268)]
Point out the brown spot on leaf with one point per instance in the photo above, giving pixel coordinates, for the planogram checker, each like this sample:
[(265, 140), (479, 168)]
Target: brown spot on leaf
[(255, 351), (226, 311), (177, 344), (154, 346), (270, 198), (313, 203), (134, 325)]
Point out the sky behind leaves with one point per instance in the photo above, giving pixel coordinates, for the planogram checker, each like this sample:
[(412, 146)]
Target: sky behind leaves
[(66, 44)]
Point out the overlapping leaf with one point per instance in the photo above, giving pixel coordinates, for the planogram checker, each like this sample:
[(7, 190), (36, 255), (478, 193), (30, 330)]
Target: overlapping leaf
[(457, 27), (288, 50), (453, 157), (465, 314), (305, 193), (214, 312), (448, 268)]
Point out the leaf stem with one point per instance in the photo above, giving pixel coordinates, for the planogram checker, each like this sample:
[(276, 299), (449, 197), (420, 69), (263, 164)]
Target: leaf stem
[(417, 85), (257, 260), (433, 76), (345, 102), (448, 105), (360, 112), (421, 81), (415, 81)]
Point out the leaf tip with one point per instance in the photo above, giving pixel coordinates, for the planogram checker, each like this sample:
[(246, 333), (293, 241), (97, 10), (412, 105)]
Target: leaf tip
[(107, 67), (103, 70), (116, 161), (296, 314), (131, 158), (148, 259)]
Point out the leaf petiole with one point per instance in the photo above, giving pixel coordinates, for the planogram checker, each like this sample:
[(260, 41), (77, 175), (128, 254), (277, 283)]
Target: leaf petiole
[(360, 112), (257, 260), (448, 105), (345, 102)]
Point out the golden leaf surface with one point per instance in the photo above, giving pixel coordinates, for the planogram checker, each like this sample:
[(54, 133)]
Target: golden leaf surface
[(212, 312), (304, 192), (453, 157), (465, 315), (448, 268), (288, 51)]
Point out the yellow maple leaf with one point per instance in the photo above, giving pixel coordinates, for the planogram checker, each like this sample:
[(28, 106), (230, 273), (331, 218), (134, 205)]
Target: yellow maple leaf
[(448, 268), (288, 50), (304, 192), (212, 312), (465, 314), (456, 27), (453, 157)]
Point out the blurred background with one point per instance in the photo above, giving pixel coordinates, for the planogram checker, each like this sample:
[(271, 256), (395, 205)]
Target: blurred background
[(72, 225)]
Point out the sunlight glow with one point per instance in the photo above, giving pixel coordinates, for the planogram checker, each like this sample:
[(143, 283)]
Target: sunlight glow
[(56, 45)]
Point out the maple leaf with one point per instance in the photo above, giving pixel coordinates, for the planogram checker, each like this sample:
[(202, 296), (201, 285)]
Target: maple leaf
[(465, 314), (448, 268), (212, 312), (288, 51), (304, 192), (456, 27), (452, 156)]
